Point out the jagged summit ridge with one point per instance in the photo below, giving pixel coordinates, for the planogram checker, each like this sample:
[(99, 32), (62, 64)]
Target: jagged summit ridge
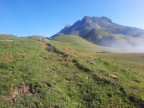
[(95, 19)]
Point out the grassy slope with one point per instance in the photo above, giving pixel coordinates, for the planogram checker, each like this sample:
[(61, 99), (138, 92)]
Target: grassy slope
[(80, 45), (61, 74), (77, 45), (33, 37)]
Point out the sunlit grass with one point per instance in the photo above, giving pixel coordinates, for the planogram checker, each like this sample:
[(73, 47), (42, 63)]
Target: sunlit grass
[(68, 74)]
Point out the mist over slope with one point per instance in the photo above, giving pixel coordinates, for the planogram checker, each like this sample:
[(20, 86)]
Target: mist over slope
[(102, 31), (127, 43)]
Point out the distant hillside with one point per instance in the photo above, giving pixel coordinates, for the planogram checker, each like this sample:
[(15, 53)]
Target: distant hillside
[(34, 37), (6, 36)]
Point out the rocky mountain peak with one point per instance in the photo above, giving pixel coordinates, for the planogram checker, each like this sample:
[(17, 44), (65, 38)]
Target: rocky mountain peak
[(67, 25), (87, 18)]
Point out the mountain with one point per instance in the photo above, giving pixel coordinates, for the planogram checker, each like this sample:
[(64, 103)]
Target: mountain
[(102, 31), (84, 26)]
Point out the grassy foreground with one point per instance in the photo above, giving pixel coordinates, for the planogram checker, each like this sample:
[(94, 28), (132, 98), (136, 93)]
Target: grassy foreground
[(67, 72)]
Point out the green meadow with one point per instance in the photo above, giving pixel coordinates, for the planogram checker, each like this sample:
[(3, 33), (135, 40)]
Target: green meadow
[(68, 72)]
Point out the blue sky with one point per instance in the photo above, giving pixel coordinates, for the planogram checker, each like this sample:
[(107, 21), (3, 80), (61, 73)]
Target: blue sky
[(47, 17)]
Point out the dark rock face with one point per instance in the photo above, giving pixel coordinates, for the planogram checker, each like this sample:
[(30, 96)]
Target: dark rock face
[(84, 26)]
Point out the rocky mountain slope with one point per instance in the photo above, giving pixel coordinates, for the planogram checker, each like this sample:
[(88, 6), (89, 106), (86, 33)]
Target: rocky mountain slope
[(84, 26)]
